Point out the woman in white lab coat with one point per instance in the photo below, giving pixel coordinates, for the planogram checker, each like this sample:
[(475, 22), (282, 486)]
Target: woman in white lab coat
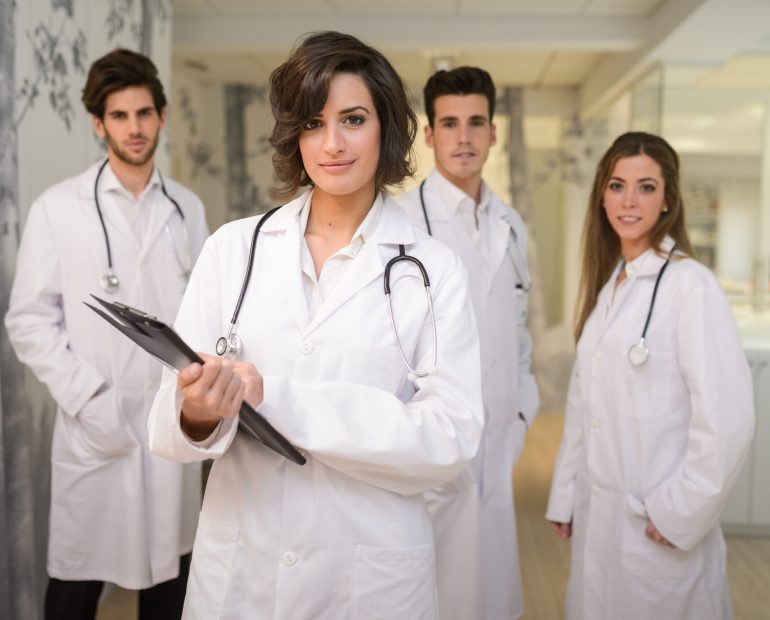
[(655, 431), (347, 535)]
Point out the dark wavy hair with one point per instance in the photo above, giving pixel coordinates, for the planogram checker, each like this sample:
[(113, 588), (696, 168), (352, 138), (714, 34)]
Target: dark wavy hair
[(298, 92), (120, 69), (460, 81), (601, 245)]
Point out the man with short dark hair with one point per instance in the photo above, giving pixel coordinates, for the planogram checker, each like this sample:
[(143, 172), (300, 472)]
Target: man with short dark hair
[(473, 516), (122, 231)]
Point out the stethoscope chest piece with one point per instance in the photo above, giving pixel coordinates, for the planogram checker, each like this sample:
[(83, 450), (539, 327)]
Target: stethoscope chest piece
[(229, 346), (109, 283), (638, 354)]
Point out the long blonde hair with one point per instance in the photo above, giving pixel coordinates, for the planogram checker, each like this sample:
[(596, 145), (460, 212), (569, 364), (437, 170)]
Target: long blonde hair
[(600, 244)]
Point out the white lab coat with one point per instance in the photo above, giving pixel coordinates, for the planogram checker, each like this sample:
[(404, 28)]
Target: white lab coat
[(118, 513), (348, 534), (663, 441), (474, 517)]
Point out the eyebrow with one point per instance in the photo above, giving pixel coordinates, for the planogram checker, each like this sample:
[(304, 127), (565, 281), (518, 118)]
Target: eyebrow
[(145, 109), (644, 180), (353, 109)]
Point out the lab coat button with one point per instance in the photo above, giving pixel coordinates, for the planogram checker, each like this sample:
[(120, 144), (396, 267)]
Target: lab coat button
[(307, 347), (595, 423), (595, 490), (289, 558), (597, 356)]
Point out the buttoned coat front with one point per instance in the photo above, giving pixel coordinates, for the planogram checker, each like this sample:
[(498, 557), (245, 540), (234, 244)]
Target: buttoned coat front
[(347, 535), (118, 513), (474, 517), (663, 441)]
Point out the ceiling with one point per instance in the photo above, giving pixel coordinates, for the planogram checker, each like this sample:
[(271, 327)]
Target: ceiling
[(715, 53), (536, 43)]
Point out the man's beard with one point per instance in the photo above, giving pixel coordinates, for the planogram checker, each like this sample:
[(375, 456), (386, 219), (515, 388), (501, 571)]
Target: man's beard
[(128, 157)]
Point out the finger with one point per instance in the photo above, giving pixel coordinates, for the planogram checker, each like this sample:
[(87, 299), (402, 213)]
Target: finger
[(233, 396), (188, 375)]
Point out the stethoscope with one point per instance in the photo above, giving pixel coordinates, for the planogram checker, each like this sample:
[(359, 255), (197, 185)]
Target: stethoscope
[(638, 354), (523, 283), (230, 346), (110, 282)]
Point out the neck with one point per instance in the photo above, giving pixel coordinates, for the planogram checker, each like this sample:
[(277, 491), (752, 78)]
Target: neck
[(632, 250), (133, 177), (470, 185), (338, 216)]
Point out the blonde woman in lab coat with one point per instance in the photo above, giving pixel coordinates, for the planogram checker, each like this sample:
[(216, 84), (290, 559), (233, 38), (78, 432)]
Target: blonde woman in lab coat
[(348, 534), (655, 432)]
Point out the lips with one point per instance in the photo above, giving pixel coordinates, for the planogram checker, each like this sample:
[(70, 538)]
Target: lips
[(337, 165), (629, 219), (464, 155)]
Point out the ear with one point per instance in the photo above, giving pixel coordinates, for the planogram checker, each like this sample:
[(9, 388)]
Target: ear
[(163, 118), (493, 134), (429, 135), (98, 126)]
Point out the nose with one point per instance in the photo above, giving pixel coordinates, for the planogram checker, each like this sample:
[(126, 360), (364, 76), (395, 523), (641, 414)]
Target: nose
[(464, 134), (334, 141), (629, 197), (134, 126)]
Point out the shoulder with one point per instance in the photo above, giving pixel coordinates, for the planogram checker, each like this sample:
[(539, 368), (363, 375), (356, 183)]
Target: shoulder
[(693, 277), (511, 214)]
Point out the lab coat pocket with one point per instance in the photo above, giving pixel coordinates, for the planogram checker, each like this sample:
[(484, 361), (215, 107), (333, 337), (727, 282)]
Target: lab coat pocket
[(100, 430), (211, 571), (394, 583), (373, 365), (644, 557), (648, 387)]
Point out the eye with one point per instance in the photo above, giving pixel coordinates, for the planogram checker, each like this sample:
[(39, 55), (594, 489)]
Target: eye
[(354, 121), (448, 124), (615, 186), (648, 188), (312, 124), (146, 113), (478, 122)]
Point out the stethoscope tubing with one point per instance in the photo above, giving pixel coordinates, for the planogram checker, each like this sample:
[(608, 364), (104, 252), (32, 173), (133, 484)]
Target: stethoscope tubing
[(522, 284), (101, 215), (230, 346)]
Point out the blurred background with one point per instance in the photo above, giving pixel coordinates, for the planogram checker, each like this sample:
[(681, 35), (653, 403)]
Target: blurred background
[(571, 76)]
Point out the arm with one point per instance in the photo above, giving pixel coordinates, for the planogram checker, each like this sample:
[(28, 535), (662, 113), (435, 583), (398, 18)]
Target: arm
[(712, 361), (35, 320), (561, 500), (529, 395)]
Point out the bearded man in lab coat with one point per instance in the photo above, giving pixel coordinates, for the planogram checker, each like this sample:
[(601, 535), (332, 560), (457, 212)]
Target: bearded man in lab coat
[(473, 516), (120, 230)]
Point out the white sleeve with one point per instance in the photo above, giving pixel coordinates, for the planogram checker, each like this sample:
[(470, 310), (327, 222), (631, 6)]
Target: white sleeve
[(35, 318), (561, 501), (687, 505)]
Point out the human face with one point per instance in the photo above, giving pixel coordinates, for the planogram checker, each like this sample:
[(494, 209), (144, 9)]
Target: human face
[(461, 137), (131, 125), (340, 146), (633, 200)]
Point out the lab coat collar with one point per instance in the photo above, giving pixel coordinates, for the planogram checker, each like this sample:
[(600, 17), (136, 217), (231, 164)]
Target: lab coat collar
[(650, 262), (393, 228)]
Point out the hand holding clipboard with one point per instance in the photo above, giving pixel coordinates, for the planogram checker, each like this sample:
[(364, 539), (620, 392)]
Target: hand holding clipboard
[(163, 343)]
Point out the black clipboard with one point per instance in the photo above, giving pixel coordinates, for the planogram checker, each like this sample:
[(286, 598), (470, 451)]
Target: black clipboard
[(165, 345)]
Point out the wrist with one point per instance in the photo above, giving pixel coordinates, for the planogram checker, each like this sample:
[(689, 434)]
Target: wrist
[(198, 429)]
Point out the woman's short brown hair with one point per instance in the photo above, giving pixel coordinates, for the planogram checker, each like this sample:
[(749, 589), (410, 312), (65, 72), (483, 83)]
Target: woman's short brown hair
[(121, 69), (298, 92)]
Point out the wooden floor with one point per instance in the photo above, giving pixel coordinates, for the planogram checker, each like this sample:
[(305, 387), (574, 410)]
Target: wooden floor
[(545, 558)]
